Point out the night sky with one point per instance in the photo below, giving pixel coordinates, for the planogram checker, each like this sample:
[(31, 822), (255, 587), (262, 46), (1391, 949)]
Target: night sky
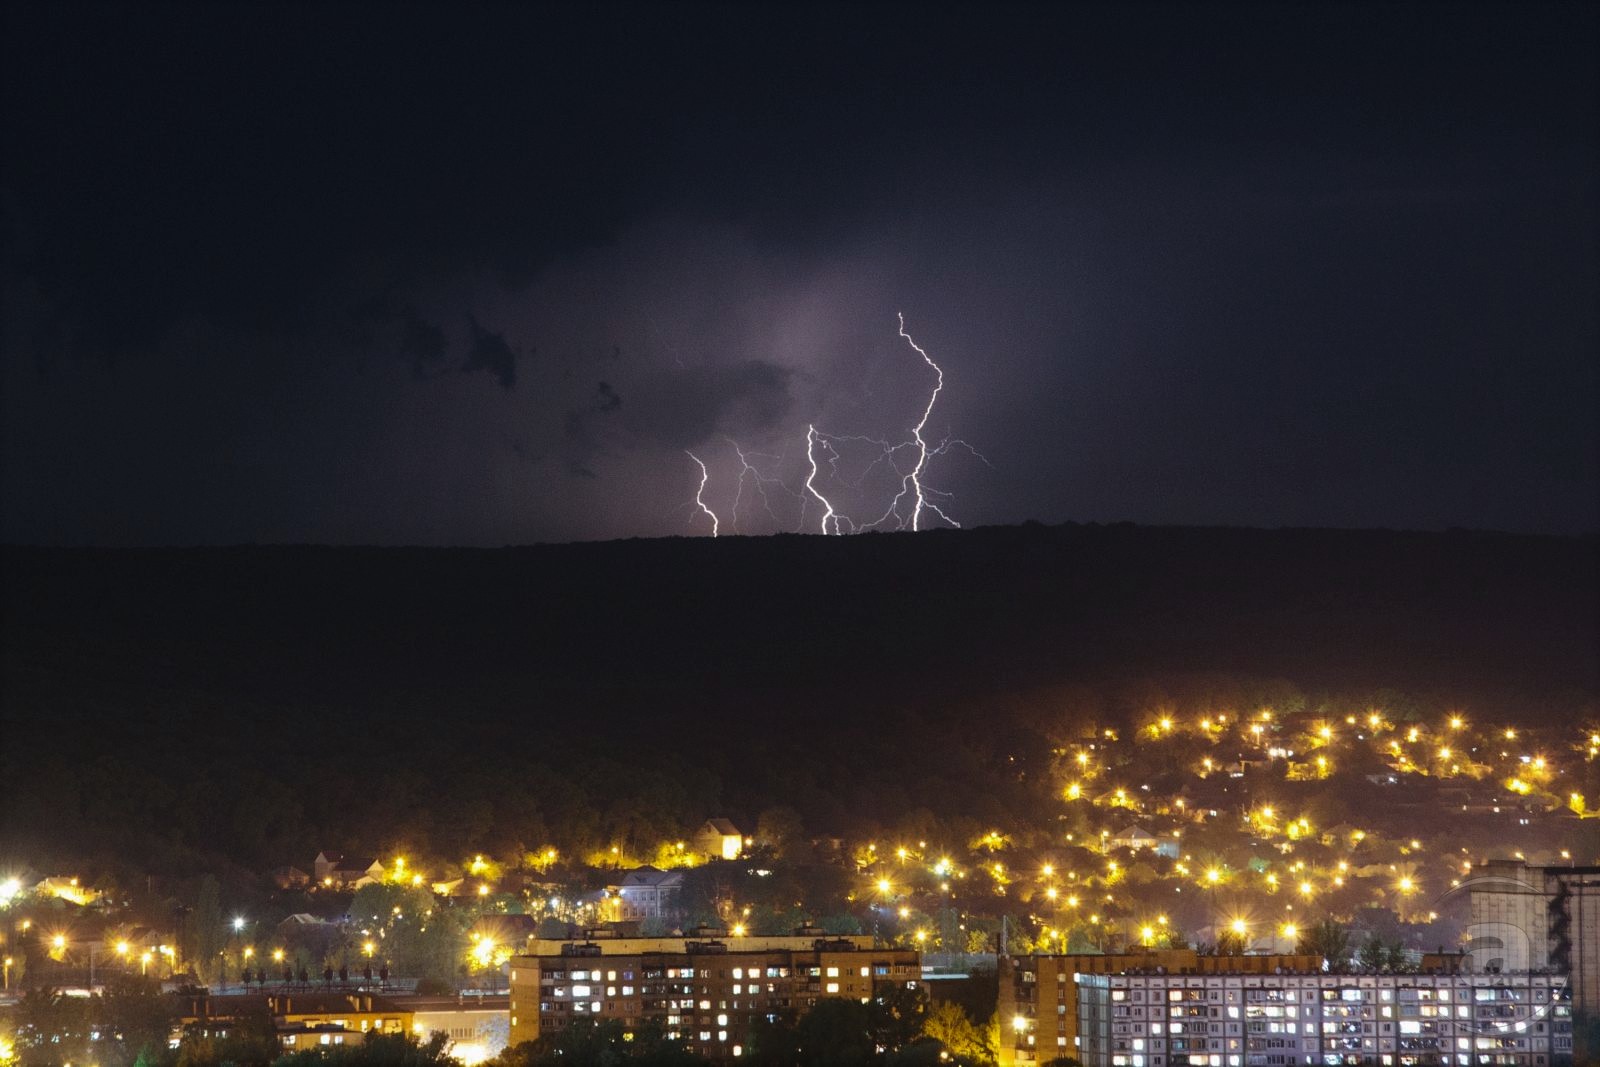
[(451, 274)]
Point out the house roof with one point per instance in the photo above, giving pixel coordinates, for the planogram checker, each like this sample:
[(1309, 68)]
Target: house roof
[(723, 827), (304, 918), (356, 865), (650, 876)]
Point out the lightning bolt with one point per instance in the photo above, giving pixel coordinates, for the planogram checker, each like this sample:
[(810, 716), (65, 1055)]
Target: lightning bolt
[(699, 494), (922, 497), (811, 487), (911, 481), (915, 477), (761, 482)]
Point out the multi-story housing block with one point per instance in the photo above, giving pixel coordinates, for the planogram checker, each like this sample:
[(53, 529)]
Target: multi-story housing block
[(1038, 996), (1530, 918), (1284, 1020), (710, 994)]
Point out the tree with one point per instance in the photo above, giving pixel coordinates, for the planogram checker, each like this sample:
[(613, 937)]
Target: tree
[(1230, 943), (1328, 939), (588, 1043), (1395, 958), (947, 1024), (779, 829), (772, 1042), (835, 1033), (1373, 954), (51, 1028), (140, 1016), (251, 1039), (378, 1050), (898, 1014), (204, 932)]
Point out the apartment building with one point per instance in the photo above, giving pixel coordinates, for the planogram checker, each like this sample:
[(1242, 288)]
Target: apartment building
[(1532, 918), (300, 1020), (1283, 1020), (1038, 996), (706, 993)]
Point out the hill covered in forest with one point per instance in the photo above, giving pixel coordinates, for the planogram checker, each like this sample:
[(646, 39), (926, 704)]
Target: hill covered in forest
[(254, 701)]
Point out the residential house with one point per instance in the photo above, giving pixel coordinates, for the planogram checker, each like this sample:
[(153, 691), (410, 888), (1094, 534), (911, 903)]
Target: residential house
[(1136, 838), (352, 873), (644, 893), (290, 878), (719, 839), (313, 936)]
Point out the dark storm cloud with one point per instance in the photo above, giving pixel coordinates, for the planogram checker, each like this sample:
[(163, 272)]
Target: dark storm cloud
[(489, 351), (422, 344), (681, 408), (1222, 263)]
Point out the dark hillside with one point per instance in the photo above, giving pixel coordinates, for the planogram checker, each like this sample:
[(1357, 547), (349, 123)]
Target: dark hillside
[(743, 664)]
